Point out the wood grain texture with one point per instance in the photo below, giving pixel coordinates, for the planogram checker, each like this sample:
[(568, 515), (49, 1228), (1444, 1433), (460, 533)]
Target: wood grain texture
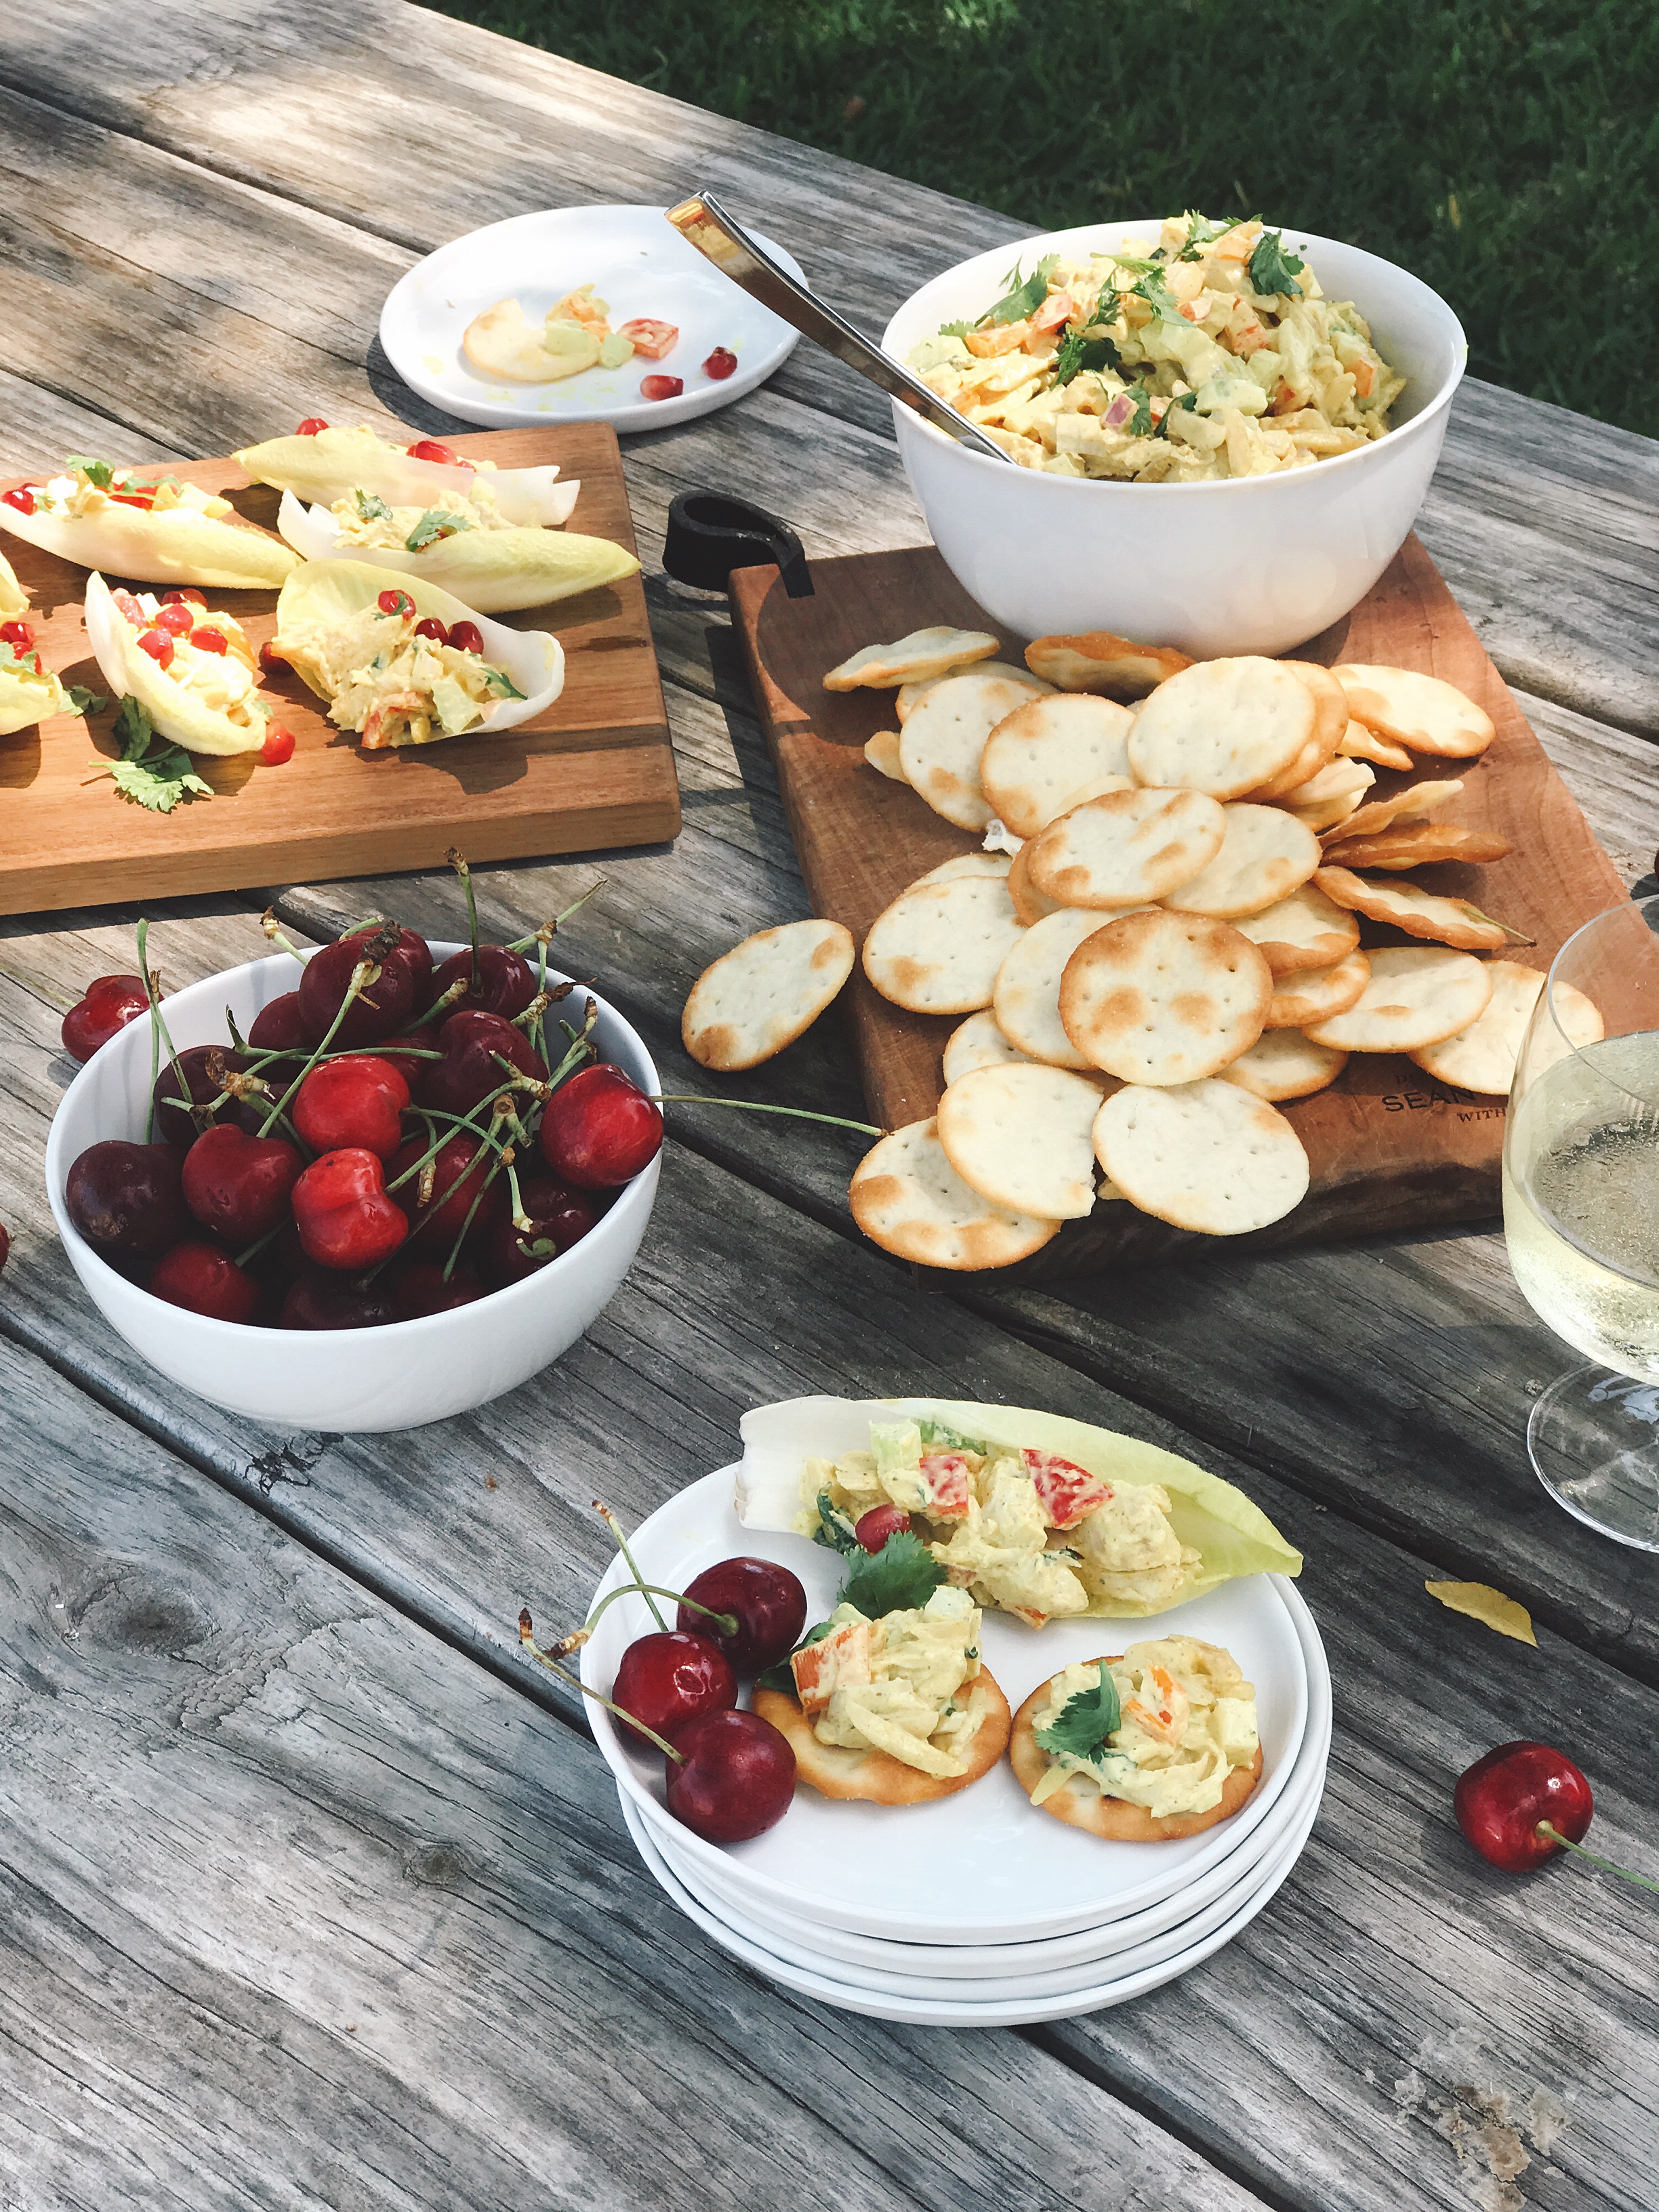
[(594, 769), (1387, 1147), (297, 1908)]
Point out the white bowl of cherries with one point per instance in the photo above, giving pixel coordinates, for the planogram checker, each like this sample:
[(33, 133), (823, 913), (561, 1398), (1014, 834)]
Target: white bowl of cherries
[(358, 1192)]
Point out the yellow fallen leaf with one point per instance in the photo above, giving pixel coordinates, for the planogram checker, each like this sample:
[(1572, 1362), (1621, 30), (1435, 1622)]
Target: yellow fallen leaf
[(1481, 1602)]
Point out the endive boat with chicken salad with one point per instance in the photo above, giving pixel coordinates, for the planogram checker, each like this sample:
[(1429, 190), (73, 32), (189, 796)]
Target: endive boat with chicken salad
[(320, 464), (197, 676), (157, 530)]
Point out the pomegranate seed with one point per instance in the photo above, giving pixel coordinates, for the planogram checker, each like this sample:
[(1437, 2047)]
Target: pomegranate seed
[(270, 661), (429, 449), (278, 747), (18, 633), (209, 639), (395, 603), (429, 626), (466, 637), (311, 426), (720, 364), (662, 387), (158, 645), (22, 499), (189, 596), (176, 620)]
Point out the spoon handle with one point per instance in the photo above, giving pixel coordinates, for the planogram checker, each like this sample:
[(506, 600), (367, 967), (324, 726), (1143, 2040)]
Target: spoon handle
[(704, 223)]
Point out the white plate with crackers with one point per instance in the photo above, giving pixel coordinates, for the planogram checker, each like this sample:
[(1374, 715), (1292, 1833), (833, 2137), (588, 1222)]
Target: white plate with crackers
[(979, 1867)]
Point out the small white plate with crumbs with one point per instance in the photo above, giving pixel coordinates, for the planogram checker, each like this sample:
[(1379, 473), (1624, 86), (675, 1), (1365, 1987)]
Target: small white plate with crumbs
[(723, 342)]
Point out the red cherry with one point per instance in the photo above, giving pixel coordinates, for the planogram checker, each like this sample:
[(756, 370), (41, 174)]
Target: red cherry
[(720, 364), (187, 596), (466, 637), (158, 645), (201, 1067), (429, 626), (109, 1003), (278, 747), (506, 982), (209, 639), (278, 1027), (420, 1289), (174, 618), (125, 1199), (23, 498), (880, 1522), (669, 1679), (558, 1219), (317, 1299), (599, 1130), (473, 1047), (460, 1168), (768, 1602), (356, 1101), (205, 1281), (391, 1002), (20, 635), (734, 1778), (429, 449), (345, 1218), (395, 603), (311, 426), (1500, 1801), (238, 1186), (663, 387)]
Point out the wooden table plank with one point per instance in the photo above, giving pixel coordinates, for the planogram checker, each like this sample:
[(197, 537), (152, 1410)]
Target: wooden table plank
[(297, 1908)]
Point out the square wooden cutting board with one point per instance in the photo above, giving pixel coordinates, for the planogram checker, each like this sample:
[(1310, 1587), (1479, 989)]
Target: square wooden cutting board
[(594, 769), (1389, 1147)]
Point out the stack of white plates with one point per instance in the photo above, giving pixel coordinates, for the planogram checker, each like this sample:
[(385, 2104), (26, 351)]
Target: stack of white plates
[(976, 1909)]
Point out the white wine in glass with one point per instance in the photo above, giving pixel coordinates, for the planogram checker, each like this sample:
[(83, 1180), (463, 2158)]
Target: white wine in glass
[(1581, 1216)]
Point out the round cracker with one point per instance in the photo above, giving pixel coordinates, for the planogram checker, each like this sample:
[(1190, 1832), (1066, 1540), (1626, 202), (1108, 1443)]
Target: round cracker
[(965, 863), (1417, 995), (1161, 998), (1313, 995), (911, 659), (1265, 853), (1284, 1064), (1127, 847), (1099, 660), (835, 1771), (882, 751), (1418, 799), (1306, 930), (1036, 756), (910, 695), (937, 949), (1113, 1819), (1026, 1000), (1360, 744), (907, 1198), (1422, 712), (764, 993), (1483, 1056), (1223, 726), (1418, 912), (1203, 1156), (1022, 1138), (943, 736), (1030, 904), (1417, 844), (1331, 796), (978, 1042), (1330, 721)]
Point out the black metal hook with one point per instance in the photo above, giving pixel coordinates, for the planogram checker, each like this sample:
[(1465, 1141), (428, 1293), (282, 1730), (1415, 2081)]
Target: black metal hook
[(709, 535)]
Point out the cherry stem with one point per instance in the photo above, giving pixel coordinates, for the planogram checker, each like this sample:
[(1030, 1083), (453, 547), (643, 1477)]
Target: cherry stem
[(361, 975), (273, 930), (756, 1106), (1554, 1836), (526, 1636), (727, 1623), (615, 1527), (441, 1004), (457, 860), (540, 936), (158, 1021)]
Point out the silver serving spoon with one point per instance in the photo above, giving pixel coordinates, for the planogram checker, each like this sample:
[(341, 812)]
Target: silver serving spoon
[(704, 223)]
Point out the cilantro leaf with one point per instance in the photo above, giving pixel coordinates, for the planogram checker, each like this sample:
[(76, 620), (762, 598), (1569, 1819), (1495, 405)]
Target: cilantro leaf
[(371, 507), (96, 472), (903, 1574), (151, 773), (85, 701), (1274, 268), (434, 524), (1188, 399), (501, 683), (133, 729), (1078, 354), (1158, 297), (1201, 232), (1024, 295), (955, 329), (835, 1530), (1086, 1722), (1139, 424), (948, 1439)]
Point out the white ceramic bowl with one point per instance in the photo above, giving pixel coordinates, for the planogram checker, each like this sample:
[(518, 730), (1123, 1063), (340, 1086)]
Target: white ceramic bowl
[(356, 1380), (1255, 565)]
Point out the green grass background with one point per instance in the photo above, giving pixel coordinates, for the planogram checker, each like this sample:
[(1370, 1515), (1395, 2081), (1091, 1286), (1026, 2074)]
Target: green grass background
[(1507, 150)]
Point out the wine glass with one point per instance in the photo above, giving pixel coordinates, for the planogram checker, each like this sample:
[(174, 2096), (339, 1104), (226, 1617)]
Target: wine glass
[(1580, 1218)]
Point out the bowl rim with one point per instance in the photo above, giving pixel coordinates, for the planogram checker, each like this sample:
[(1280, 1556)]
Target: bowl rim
[(633, 1195), (906, 419)]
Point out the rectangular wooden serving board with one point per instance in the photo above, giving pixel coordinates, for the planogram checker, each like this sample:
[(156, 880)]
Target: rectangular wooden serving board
[(1389, 1147), (594, 769)]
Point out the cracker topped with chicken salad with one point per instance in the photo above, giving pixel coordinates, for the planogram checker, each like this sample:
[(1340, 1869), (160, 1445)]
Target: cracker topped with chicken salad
[(1215, 355)]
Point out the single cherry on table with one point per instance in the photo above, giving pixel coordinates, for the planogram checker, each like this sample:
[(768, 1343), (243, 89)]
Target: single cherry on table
[(1503, 1802), (109, 1003)]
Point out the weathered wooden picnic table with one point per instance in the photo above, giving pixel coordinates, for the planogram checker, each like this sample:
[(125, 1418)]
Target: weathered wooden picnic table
[(314, 1891)]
